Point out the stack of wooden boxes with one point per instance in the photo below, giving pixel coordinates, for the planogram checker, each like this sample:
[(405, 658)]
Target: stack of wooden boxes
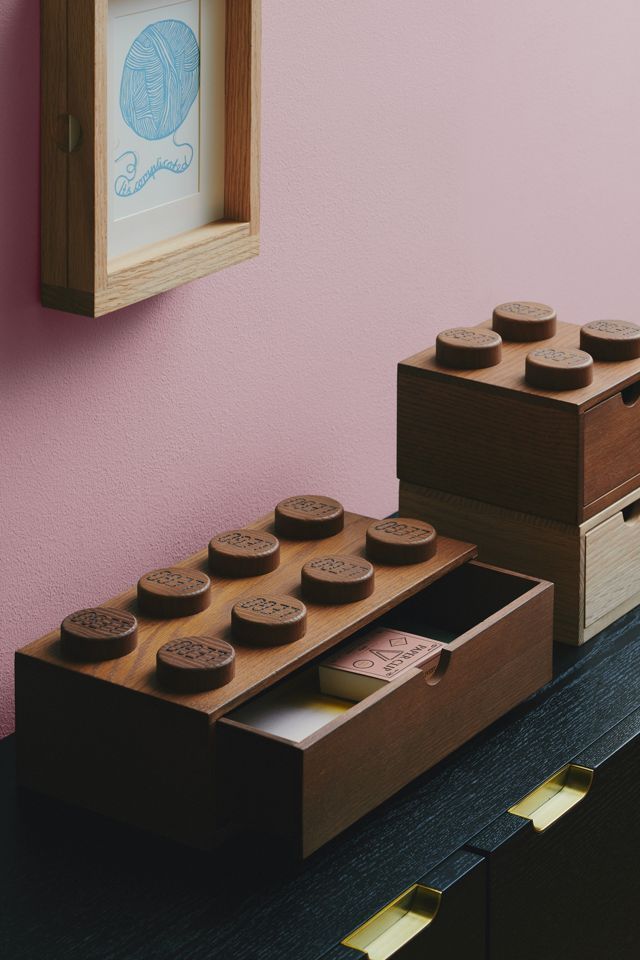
[(546, 482)]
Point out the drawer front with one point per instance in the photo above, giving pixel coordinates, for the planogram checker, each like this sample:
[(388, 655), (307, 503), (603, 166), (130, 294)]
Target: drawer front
[(611, 437), (612, 567), (442, 916), (306, 792), (562, 864), (497, 449)]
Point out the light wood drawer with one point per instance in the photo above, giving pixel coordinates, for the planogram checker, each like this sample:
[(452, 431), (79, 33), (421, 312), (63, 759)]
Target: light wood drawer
[(499, 627), (612, 564)]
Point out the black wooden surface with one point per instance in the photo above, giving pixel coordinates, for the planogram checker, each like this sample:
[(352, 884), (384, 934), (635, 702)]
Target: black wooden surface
[(572, 890), (72, 886)]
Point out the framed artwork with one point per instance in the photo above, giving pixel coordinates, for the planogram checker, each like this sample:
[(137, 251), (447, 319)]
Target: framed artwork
[(150, 146)]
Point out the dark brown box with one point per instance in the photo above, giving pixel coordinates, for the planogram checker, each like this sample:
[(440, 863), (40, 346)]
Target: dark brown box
[(489, 436), (107, 737)]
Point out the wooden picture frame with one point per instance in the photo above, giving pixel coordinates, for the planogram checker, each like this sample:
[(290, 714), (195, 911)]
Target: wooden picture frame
[(76, 273)]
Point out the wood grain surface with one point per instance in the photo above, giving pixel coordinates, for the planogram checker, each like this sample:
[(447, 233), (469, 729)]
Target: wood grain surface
[(488, 446), (611, 443), (502, 654), (489, 436), (612, 565), (76, 274), (256, 669), (536, 877), (156, 768), (53, 161), (595, 566), (168, 900), (533, 545), (508, 375), (242, 112)]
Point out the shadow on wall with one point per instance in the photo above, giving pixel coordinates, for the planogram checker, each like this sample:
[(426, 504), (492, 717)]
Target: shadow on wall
[(27, 331)]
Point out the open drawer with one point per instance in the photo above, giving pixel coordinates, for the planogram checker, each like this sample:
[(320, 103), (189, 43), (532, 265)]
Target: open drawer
[(612, 566), (303, 767)]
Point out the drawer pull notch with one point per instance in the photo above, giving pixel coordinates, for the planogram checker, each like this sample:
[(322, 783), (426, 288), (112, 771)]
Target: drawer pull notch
[(555, 797), (388, 931), (631, 394), (631, 513)]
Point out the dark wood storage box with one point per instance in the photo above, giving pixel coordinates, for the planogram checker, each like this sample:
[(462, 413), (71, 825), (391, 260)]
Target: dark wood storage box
[(489, 436), (107, 737)]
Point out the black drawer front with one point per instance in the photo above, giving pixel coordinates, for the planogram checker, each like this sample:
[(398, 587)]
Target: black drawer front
[(572, 890)]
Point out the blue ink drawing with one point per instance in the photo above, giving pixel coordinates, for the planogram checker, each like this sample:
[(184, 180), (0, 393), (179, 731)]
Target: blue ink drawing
[(160, 81)]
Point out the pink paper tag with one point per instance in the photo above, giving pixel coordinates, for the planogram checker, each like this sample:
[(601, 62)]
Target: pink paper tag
[(384, 653)]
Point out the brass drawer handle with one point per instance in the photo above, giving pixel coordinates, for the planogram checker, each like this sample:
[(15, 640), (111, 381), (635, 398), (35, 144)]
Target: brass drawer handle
[(555, 797), (387, 931)]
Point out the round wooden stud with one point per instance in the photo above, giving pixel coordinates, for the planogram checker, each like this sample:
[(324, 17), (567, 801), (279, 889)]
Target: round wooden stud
[(337, 579), (173, 592), (400, 540), (309, 517), (550, 369), (268, 620), (611, 340), (244, 553), (467, 349), (195, 664), (524, 320), (98, 633)]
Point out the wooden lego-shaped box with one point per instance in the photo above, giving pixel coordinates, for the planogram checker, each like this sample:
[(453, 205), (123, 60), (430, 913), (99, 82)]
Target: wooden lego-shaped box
[(489, 435), (271, 747)]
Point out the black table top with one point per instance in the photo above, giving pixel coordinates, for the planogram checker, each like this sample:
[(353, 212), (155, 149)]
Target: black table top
[(75, 886)]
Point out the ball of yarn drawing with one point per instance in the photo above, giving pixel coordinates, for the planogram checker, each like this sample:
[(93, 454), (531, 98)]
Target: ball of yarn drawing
[(160, 79)]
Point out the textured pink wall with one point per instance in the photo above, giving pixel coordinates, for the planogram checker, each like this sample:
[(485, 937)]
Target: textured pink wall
[(421, 161)]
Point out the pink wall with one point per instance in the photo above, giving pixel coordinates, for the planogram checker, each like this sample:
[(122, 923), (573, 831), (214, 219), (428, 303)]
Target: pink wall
[(422, 160)]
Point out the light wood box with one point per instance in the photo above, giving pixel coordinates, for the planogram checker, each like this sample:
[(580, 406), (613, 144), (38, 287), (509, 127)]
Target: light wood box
[(106, 737), (487, 435), (595, 566), (76, 274)]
